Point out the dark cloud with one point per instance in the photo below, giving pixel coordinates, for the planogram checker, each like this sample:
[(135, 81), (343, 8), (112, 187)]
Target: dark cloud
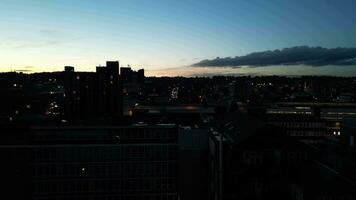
[(301, 55)]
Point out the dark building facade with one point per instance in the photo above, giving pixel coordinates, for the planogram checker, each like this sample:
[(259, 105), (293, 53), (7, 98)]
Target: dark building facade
[(97, 162), (128, 75), (305, 128), (193, 171), (267, 164), (254, 166)]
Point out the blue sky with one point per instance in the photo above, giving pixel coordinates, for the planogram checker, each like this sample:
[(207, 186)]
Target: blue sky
[(163, 34)]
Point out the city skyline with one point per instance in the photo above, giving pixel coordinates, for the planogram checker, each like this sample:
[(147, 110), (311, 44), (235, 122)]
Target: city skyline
[(167, 37)]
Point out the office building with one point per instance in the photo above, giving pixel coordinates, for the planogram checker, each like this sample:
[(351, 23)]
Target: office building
[(90, 162)]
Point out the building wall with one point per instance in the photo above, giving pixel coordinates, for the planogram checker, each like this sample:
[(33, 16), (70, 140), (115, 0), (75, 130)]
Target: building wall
[(142, 165)]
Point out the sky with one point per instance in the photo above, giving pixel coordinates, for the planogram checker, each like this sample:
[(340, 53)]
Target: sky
[(166, 36)]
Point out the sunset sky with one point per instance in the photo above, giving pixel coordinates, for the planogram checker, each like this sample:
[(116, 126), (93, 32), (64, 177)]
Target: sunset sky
[(167, 36)]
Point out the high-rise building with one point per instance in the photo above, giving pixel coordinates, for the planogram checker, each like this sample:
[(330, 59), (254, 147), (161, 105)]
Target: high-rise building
[(126, 74), (140, 75), (93, 95)]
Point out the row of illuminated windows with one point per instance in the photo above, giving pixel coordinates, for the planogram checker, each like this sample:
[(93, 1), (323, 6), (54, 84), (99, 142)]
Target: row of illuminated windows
[(106, 134), (301, 124), (106, 153), (95, 186), (289, 112), (119, 169)]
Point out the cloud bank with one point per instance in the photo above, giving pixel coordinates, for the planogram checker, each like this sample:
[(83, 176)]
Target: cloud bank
[(300, 55)]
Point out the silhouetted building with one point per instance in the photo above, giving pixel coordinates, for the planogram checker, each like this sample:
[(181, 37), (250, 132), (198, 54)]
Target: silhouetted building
[(93, 95), (140, 76), (128, 75), (69, 69)]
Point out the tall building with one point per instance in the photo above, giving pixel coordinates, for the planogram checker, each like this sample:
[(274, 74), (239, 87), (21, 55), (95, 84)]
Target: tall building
[(109, 85), (141, 75), (90, 162), (93, 95), (128, 75)]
